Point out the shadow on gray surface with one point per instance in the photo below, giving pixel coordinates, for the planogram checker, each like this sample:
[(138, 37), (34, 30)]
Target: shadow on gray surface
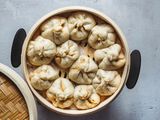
[(108, 112)]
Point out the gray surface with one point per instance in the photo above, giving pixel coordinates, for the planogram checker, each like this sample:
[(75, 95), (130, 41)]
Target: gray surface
[(140, 22)]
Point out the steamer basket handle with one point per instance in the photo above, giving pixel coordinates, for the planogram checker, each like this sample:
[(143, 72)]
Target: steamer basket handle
[(134, 69), (17, 47)]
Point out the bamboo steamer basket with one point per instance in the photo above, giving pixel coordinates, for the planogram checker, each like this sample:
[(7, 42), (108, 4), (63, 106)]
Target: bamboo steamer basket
[(99, 16), (16, 100)]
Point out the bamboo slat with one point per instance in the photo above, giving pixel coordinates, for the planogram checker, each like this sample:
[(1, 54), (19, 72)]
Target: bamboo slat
[(12, 103)]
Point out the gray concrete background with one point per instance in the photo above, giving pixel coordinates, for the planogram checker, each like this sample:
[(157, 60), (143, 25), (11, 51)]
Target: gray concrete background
[(140, 22)]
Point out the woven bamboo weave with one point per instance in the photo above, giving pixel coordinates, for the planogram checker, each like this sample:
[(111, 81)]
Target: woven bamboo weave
[(12, 103)]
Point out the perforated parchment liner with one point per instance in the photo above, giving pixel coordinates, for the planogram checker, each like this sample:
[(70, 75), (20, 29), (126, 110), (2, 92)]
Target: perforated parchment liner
[(12, 103), (84, 49)]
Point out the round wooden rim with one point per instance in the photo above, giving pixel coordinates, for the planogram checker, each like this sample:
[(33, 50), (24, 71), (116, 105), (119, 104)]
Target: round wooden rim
[(124, 75), (23, 87)]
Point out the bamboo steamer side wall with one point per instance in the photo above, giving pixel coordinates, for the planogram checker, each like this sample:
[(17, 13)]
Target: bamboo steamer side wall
[(15, 96), (12, 103)]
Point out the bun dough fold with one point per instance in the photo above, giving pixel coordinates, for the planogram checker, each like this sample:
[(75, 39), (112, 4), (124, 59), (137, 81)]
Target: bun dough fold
[(43, 77), (102, 36), (56, 29), (83, 70), (61, 93), (106, 82), (41, 51), (67, 53), (110, 58), (80, 24), (85, 97)]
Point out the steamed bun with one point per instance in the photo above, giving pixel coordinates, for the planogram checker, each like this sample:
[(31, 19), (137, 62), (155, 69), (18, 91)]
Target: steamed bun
[(80, 23), (56, 29), (41, 51), (67, 53), (61, 93), (83, 70), (102, 36), (43, 77), (110, 58), (85, 97), (106, 82)]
